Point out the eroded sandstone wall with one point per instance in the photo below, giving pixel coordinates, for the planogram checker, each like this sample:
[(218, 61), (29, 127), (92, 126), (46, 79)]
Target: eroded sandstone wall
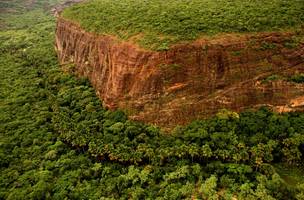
[(190, 80)]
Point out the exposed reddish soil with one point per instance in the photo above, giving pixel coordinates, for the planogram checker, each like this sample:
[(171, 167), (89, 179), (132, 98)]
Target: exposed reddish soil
[(189, 81)]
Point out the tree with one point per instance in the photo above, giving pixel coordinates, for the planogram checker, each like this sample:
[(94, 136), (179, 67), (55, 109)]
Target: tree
[(208, 189)]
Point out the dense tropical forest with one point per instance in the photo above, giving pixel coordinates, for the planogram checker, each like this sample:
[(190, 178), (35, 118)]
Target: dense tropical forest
[(58, 142), (157, 24)]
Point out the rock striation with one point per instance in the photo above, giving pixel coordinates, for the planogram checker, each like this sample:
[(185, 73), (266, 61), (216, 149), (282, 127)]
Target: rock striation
[(189, 81)]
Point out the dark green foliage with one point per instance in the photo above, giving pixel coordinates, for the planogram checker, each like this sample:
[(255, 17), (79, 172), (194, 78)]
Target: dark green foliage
[(298, 78), (157, 23), (266, 46), (57, 142), (273, 77)]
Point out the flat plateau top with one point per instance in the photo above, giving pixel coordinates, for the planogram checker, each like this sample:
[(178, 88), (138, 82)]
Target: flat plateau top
[(157, 24)]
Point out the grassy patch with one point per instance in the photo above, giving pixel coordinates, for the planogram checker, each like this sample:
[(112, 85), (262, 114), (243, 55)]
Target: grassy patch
[(236, 53), (297, 78), (273, 77), (292, 43), (267, 46), (179, 20), (173, 66)]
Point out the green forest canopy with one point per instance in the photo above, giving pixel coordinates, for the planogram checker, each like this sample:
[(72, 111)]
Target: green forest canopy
[(157, 23), (58, 142)]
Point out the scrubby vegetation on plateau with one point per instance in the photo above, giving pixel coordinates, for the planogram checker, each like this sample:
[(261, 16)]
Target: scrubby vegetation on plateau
[(58, 142), (157, 23)]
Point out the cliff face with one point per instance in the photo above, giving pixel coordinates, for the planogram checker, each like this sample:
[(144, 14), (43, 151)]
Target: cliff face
[(190, 80)]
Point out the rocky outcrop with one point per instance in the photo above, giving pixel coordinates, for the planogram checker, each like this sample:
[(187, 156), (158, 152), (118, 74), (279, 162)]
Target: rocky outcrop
[(188, 81)]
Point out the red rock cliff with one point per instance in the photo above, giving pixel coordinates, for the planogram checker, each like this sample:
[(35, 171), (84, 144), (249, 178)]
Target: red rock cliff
[(190, 80)]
